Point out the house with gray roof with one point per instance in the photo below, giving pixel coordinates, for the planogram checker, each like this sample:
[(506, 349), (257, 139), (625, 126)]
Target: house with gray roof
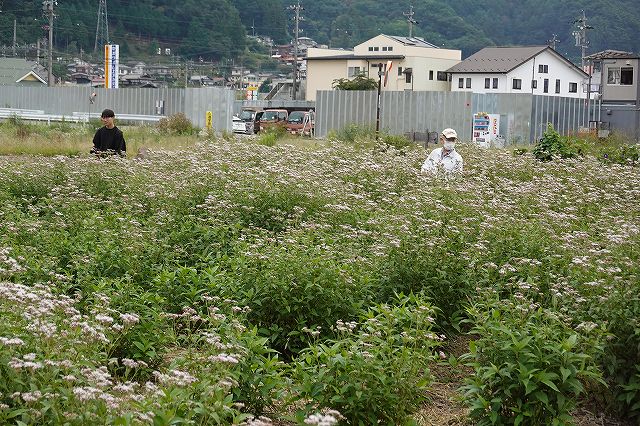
[(614, 77), (538, 70), (20, 72), (409, 63), (614, 74)]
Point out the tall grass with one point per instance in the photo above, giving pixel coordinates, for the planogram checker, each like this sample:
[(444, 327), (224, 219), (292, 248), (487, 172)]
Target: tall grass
[(18, 137)]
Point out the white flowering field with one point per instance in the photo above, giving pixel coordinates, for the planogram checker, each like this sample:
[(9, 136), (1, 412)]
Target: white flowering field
[(237, 283)]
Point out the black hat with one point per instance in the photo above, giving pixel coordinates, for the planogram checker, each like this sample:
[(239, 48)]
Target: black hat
[(107, 113)]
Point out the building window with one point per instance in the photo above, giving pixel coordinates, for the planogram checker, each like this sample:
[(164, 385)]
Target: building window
[(376, 48), (544, 69), (399, 71), (613, 76), (370, 48), (430, 74), (545, 89), (353, 71), (557, 86), (408, 77), (390, 48), (442, 76), (573, 87), (517, 84), (534, 84), (468, 82), (384, 48), (487, 83), (626, 76), (495, 83), (460, 82)]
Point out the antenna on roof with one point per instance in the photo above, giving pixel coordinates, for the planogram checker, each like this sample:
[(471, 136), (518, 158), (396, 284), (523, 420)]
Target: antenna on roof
[(554, 40), (410, 19)]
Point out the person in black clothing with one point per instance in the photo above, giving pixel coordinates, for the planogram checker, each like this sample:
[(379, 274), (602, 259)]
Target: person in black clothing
[(108, 139)]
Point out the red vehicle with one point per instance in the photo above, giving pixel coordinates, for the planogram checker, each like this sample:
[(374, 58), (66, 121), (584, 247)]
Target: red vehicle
[(301, 123), (273, 117)]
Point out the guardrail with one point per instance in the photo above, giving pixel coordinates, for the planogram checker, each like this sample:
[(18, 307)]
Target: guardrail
[(75, 117)]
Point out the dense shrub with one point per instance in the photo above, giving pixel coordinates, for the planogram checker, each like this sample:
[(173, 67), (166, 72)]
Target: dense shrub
[(177, 124), (376, 372), (553, 145), (529, 366)]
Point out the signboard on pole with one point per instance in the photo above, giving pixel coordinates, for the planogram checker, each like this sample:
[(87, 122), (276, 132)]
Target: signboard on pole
[(209, 119), (111, 65)]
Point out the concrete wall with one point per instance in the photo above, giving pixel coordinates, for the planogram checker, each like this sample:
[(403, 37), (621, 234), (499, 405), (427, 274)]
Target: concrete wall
[(623, 119)]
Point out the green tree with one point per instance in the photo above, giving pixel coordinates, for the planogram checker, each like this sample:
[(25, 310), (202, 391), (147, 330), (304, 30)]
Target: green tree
[(360, 82)]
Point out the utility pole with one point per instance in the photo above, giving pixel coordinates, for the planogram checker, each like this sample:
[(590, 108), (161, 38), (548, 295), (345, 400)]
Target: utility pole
[(102, 28), (47, 7), (14, 37), (379, 103), (410, 20), (554, 40), (296, 8), (581, 35)]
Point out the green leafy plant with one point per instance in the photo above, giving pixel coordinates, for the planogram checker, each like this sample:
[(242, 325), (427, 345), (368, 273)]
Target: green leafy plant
[(377, 372), (529, 366), (553, 145)]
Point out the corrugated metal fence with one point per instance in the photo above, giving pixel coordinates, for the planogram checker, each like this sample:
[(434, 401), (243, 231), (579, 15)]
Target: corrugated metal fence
[(523, 117), (159, 102)]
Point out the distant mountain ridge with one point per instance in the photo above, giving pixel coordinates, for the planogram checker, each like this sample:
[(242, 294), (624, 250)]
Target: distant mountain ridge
[(217, 29)]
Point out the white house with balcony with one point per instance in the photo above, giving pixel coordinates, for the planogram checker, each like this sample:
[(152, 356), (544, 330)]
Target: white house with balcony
[(415, 64), (538, 70)]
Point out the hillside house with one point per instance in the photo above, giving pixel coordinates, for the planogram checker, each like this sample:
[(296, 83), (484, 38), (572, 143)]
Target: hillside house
[(20, 72), (538, 70), (415, 64)]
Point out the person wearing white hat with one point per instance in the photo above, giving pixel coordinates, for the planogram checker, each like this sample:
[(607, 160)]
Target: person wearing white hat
[(444, 157)]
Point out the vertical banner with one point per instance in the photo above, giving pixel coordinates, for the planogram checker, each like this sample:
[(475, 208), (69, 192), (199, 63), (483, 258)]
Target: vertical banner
[(111, 65)]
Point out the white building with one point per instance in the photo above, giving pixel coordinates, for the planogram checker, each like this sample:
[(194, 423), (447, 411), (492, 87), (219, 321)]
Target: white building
[(538, 70), (415, 64)]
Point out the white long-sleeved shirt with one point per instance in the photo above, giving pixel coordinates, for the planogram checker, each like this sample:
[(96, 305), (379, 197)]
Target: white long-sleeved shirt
[(450, 161)]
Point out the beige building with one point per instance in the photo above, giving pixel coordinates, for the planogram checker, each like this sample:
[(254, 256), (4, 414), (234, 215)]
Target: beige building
[(615, 74), (414, 64)]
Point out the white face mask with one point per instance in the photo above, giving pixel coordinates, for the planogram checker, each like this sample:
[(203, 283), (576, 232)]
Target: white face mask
[(449, 145)]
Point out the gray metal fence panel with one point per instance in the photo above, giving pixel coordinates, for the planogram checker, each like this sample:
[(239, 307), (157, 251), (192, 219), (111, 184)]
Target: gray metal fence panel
[(134, 101), (336, 109)]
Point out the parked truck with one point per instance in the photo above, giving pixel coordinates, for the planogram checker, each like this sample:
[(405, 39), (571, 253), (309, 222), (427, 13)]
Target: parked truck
[(293, 119)]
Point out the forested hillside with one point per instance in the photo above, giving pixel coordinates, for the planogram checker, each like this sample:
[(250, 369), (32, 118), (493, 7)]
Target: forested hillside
[(216, 29)]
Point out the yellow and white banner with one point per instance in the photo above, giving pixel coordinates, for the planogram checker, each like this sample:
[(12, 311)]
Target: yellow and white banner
[(111, 65)]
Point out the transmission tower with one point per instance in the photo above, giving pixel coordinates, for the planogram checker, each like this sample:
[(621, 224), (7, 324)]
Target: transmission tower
[(410, 20), (102, 29)]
